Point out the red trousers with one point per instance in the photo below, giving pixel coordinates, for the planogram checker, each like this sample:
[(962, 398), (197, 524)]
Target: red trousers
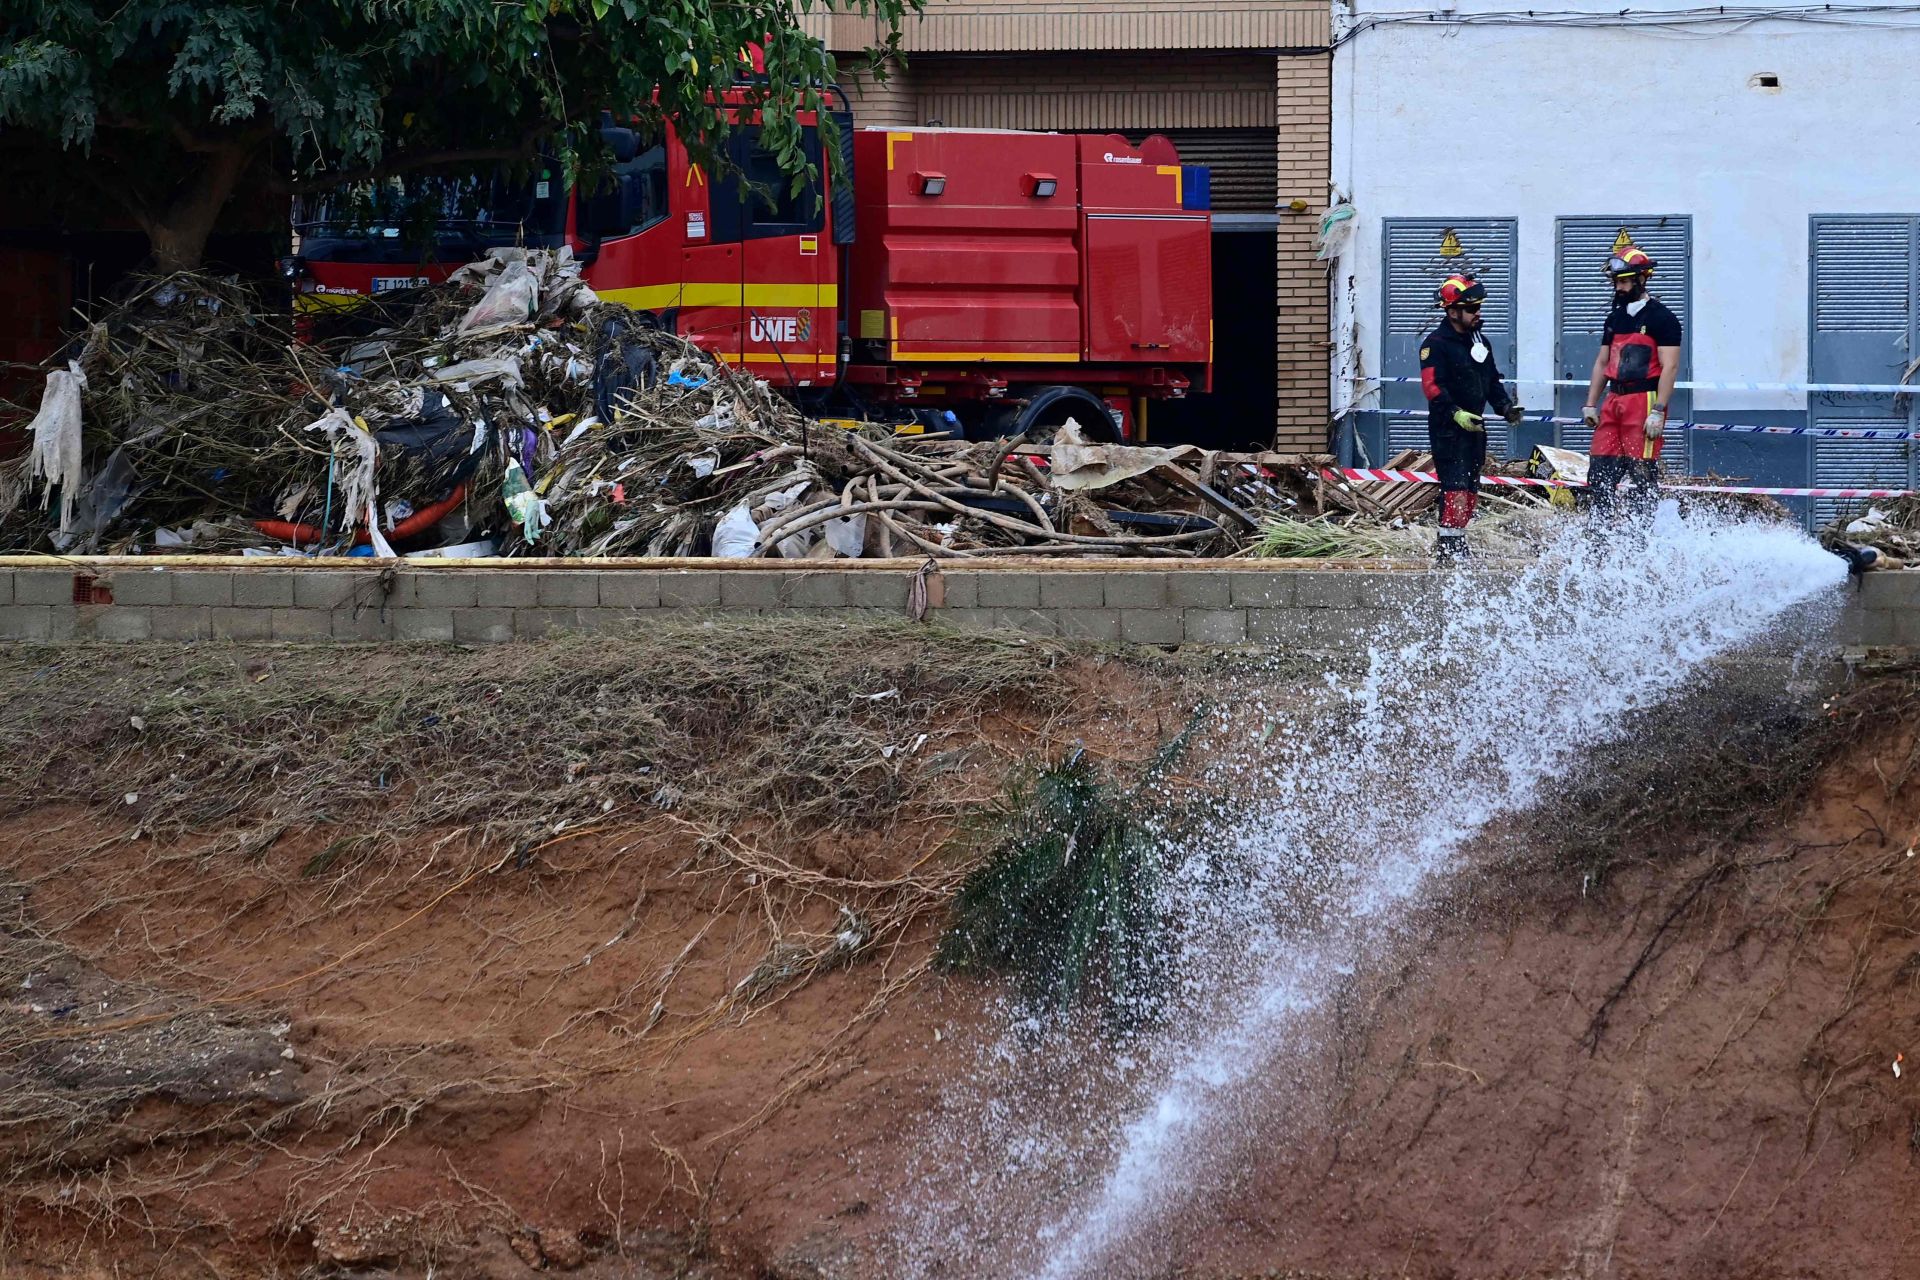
[(1622, 432)]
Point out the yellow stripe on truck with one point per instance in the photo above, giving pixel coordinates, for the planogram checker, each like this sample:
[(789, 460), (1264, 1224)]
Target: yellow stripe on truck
[(659, 297)]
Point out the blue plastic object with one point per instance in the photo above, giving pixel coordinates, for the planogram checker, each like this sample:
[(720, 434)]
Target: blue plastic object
[(1196, 186)]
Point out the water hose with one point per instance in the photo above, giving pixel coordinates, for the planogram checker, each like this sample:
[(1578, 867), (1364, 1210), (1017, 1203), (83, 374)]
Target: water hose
[(413, 526)]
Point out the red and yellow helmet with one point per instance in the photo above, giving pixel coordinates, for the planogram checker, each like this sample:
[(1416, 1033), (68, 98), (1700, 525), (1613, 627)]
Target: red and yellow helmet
[(1630, 261), (1458, 288)]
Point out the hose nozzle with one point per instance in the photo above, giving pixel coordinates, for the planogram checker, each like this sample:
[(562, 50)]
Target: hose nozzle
[(1859, 559)]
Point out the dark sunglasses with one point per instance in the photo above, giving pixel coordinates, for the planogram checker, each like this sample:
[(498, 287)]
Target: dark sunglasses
[(1467, 306)]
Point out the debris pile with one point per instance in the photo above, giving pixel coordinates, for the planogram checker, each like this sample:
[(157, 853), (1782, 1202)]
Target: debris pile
[(511, 412), (1890, 527)]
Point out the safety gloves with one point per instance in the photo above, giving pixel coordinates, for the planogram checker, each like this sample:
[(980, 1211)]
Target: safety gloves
[(1467, 421), (1656, 422), (1514, 414), (1590, 415)]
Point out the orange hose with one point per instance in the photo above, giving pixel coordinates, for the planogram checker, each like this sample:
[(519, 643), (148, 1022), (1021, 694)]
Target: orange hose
[(417, 523)]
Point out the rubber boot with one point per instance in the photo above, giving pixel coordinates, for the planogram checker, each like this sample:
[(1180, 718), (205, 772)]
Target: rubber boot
[(1456, 510)]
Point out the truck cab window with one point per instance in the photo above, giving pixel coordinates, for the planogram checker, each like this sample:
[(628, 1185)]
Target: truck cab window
[(757, 200), (645, 177)]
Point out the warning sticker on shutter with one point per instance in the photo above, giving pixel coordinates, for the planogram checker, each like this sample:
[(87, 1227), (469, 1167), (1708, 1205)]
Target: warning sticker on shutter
[(696, 226)]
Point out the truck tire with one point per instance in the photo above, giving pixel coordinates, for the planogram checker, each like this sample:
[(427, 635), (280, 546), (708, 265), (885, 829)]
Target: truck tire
[(1047, 411)]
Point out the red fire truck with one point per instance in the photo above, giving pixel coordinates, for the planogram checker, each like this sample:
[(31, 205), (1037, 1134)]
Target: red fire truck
[(1005, 281)]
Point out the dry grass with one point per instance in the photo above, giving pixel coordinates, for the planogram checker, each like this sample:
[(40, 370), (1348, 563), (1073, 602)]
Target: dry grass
[(800, 724)]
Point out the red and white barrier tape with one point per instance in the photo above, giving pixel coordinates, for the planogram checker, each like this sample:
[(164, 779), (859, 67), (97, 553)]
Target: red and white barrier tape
[(1427, 477)]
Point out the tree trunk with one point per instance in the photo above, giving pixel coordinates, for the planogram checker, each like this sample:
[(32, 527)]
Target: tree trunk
[(178, 237)]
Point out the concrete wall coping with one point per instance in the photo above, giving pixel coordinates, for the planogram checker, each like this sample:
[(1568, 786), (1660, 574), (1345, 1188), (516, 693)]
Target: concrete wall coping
[(691, 564)]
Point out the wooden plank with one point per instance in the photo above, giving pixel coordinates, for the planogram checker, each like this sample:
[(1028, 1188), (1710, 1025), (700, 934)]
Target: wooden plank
[(1193, 484)]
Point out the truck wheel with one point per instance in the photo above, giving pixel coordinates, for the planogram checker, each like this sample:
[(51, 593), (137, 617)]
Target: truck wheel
[(1043, 416)]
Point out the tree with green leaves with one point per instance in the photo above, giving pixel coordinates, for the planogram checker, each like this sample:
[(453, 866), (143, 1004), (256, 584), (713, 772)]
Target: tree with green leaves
[(168, 108)]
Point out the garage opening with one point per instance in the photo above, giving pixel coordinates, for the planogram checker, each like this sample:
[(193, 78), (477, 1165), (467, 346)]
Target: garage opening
[(1239, 412)]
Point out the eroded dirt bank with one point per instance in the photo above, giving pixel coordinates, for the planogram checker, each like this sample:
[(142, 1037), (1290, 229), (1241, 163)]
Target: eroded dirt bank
[(612, 958)]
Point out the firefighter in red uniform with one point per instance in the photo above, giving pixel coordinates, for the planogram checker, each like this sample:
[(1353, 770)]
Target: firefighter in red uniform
[(1638, 361), (1458, 373)]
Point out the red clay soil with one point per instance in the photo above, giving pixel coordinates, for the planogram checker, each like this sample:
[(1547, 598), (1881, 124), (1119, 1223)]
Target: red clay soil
[(1736, 1111), (470, 1067)]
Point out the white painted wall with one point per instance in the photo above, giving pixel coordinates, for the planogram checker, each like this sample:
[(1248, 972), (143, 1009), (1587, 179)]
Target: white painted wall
[(1557, 122)]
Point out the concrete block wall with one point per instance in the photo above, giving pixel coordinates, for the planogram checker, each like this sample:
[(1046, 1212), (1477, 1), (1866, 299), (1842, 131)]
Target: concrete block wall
[(1883, 610), (1296, 604)]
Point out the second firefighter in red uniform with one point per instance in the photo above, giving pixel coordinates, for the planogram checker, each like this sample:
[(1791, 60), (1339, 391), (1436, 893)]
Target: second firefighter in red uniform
[(1639, 359)]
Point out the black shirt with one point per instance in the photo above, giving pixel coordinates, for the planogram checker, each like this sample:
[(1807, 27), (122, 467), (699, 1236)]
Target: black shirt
[(1453, 379), (1632, 343)]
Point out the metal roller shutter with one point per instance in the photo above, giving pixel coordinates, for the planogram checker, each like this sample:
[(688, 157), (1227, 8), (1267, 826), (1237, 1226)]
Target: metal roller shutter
[(1862, 326), (1419, 253), (1858, 464), (1245, 163), (1583, 295)]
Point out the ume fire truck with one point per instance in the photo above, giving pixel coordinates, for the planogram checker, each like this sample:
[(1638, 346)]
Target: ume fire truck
[(1006, 281)]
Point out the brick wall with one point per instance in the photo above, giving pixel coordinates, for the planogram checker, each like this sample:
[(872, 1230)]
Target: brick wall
[(1303, 109), (1094, 91), (891, 103)]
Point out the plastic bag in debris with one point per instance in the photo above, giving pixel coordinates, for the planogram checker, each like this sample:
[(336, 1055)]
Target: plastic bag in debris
[(355, 454), (429, 430), (469, 372), (625, 364), (702, 464), (56, 439), (736, 537), (796, 546), (523, 504), (513, 298), (1868, 523), (375, 539), (847, 535), (107, 494)]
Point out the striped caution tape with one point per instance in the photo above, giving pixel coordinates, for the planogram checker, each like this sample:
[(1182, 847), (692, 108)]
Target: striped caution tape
[(1742, 428), (1398, 476), (1814, 388)]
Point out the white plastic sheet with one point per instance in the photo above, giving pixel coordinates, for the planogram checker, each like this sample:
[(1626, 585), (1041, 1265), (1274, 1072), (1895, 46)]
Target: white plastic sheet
[(736, 537), (56, 439)]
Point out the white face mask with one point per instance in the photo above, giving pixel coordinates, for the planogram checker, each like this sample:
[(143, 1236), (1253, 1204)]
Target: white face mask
[(1635, 308), (1478, 351)]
